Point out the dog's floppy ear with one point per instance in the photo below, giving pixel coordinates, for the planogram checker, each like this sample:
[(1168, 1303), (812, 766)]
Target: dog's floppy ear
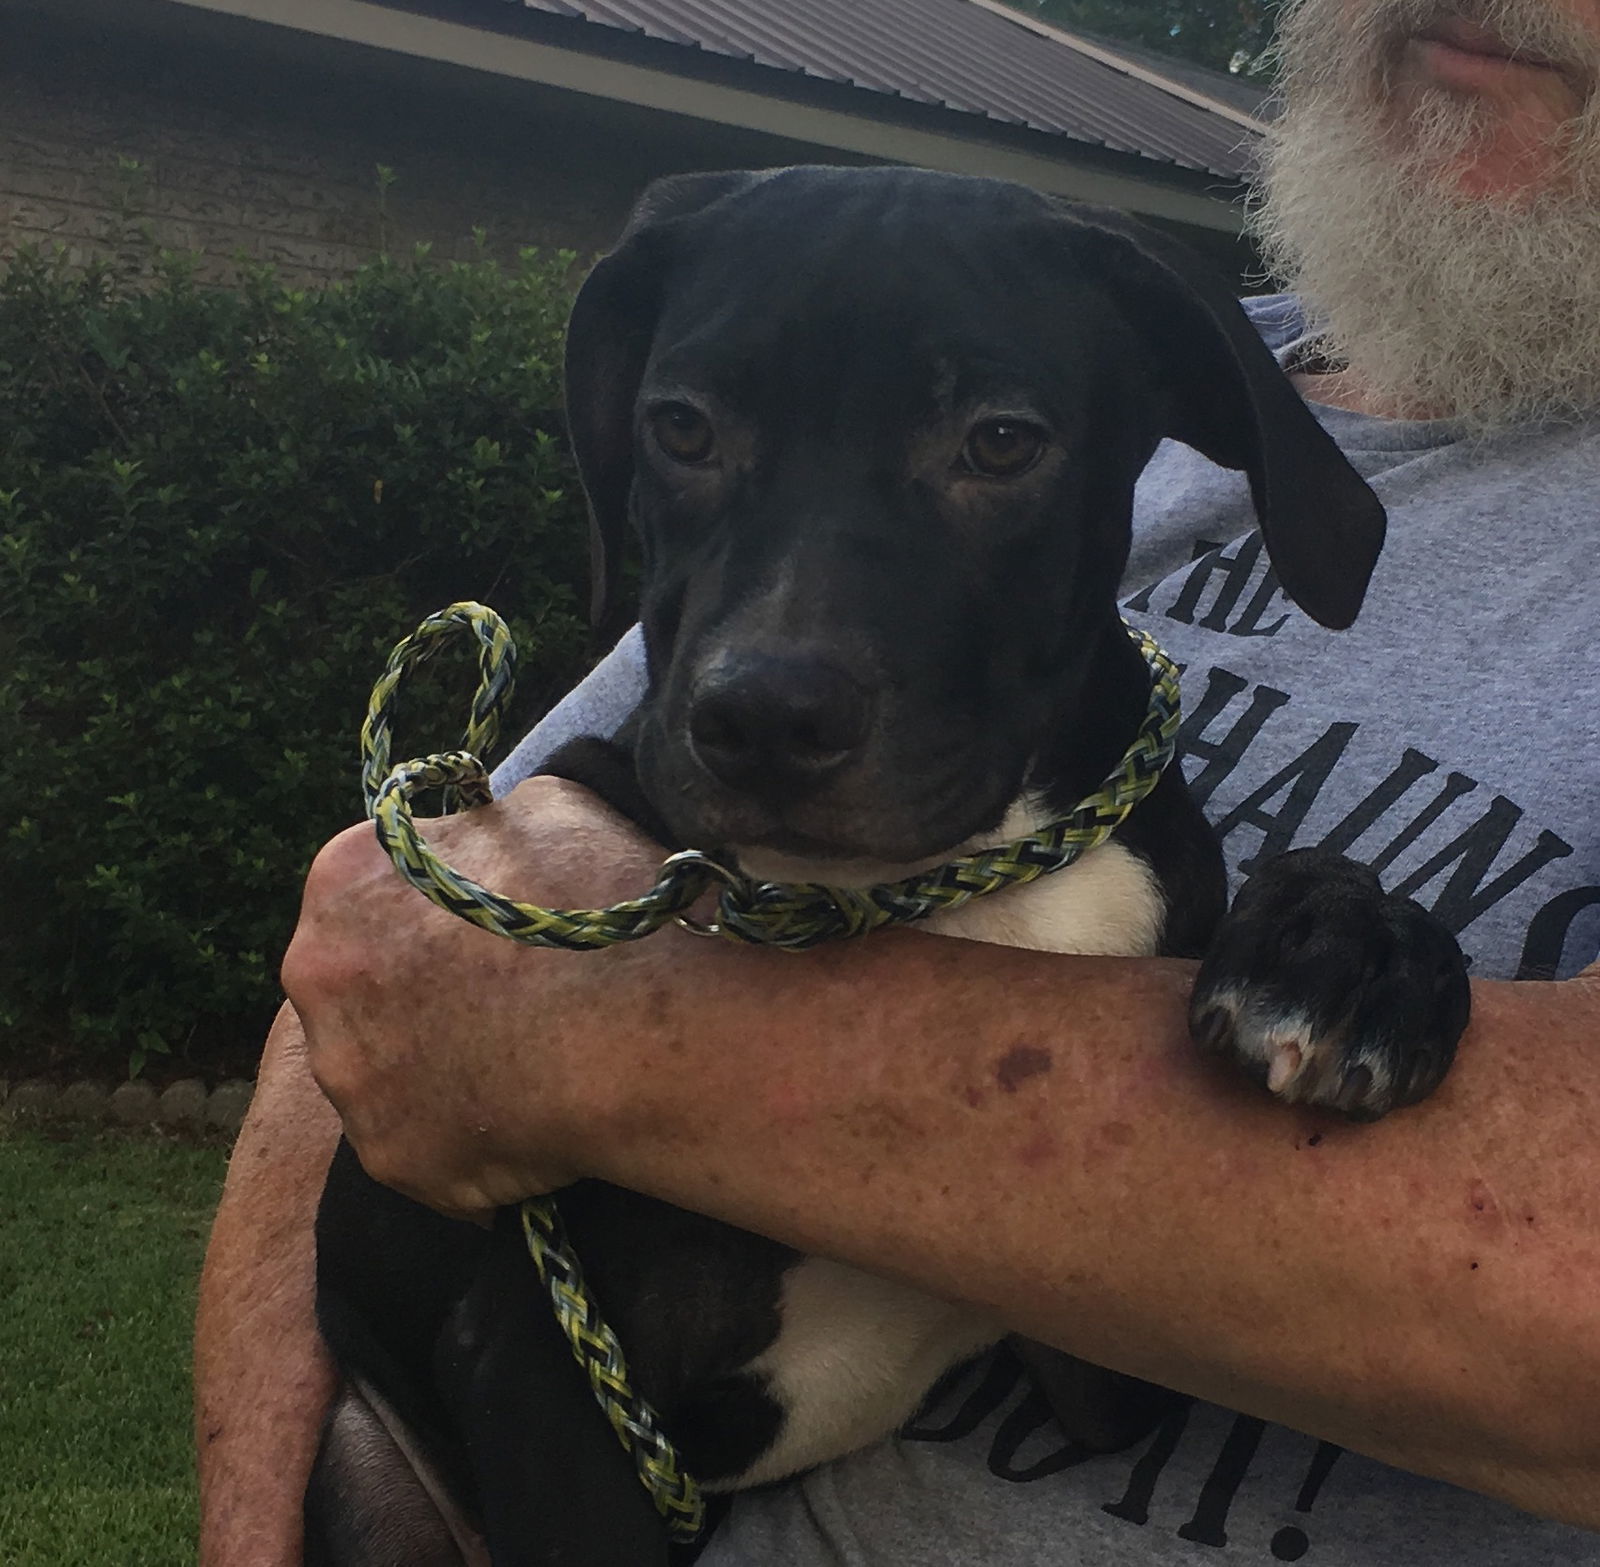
[(609, 336), (1323, 526)]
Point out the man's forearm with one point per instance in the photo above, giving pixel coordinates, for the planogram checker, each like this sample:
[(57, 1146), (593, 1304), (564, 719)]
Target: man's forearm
[(1031, 1133), (261, 1378), (1039, 1137)]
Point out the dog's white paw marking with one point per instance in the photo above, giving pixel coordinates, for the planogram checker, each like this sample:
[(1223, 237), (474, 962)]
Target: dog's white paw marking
[(1299, 1064)]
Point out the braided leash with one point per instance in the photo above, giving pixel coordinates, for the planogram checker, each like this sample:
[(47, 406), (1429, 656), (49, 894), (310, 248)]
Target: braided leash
[(387, 792), (673, 1489), (497, 675), (793, 916), (765, 913)]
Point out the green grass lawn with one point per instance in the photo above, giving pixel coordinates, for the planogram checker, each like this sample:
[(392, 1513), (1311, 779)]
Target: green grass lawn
[(101, 1236)]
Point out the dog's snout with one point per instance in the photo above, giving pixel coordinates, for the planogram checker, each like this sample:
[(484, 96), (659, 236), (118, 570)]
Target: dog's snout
[(778, 726)]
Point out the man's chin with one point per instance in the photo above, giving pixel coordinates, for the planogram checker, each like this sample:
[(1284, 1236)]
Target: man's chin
[(1444, 305)]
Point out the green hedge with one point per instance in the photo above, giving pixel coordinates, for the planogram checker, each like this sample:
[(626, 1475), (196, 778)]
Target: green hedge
[(219, 508)]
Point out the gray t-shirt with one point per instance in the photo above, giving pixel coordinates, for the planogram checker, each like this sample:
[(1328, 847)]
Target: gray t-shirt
[(1450, 739)]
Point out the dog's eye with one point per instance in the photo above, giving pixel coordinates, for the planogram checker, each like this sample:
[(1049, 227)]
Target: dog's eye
[(1002, 448), (683, 433)]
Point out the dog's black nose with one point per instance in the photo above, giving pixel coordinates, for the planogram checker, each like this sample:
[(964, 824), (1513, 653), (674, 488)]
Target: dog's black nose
[(777, 726)]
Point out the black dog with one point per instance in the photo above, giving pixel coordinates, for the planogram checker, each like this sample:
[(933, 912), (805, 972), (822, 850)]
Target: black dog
[(878, 432)]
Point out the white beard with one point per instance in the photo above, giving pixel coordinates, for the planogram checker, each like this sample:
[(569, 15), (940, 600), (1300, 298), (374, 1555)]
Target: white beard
[(1441, 304)]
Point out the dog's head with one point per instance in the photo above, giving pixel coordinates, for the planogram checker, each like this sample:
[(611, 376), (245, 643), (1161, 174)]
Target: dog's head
[(878, 433)]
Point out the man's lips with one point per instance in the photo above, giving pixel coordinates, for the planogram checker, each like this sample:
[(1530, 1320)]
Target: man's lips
[(1458, 36)]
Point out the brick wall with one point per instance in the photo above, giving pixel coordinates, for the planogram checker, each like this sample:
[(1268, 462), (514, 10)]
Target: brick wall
[(249, 139)]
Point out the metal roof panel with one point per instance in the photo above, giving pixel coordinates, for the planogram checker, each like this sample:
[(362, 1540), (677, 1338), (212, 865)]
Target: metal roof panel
[(954, 54)]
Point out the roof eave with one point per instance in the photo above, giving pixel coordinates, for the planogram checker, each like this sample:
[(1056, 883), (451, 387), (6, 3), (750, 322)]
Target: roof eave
[(874, 125)]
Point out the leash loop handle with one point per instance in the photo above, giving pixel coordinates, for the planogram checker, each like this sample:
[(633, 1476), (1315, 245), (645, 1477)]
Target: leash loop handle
[(497, 677), (388, 792)]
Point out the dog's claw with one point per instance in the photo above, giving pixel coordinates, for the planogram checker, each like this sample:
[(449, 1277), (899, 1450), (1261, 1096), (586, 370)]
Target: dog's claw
[(1285, 1066), (1209, 1026)]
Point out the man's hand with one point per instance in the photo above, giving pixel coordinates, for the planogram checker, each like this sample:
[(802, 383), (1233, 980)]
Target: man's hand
[(417, 1022)]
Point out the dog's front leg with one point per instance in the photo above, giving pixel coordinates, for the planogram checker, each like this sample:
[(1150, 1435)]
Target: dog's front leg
[(555, 1487)]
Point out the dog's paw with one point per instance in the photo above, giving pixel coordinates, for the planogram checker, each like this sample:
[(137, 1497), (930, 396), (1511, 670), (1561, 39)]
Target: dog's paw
[(1330, 991)]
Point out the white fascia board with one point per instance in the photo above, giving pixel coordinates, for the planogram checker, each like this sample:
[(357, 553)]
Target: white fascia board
[(478, 49)]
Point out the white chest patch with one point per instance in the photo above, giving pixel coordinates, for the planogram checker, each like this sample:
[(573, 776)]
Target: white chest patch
[(1109, 902)]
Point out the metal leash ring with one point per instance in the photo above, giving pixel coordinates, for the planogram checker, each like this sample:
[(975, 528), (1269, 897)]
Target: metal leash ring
[(713, 872)]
